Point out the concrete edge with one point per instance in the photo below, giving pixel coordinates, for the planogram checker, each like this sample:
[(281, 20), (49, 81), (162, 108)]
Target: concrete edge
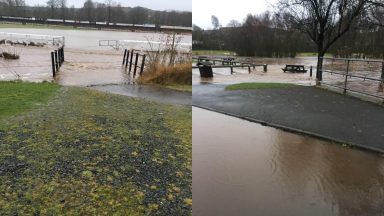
[(295, 130)]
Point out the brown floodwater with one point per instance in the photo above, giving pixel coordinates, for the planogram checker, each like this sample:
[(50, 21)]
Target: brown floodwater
[(243, 168), (274, 74), (86, 63)]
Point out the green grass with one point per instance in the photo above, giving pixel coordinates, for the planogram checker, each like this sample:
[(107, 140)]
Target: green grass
[(311, 54), (247, 86), (213, 52), (91, 153), (35, 26), (17, 97)]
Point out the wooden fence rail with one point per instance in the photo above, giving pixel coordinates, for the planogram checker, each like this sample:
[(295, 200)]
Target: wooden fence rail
[(135, 60)]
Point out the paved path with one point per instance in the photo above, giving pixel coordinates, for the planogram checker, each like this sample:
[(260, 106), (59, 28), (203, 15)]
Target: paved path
[(152, 93), (307, 110)]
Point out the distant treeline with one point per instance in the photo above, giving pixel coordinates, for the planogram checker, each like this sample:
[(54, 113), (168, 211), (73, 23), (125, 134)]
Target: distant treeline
[(270, 35), (96, 12)]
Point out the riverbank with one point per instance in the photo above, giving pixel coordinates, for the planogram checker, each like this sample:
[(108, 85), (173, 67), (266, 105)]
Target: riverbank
[(88, 152)]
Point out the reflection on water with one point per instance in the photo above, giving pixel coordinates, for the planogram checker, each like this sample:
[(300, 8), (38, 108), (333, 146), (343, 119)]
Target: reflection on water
[(242, 168)]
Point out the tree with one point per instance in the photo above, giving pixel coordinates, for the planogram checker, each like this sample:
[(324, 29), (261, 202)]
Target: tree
[(63, 6), (215, 22), (325, 21), (89, 8), (234, 23), (53, 4)]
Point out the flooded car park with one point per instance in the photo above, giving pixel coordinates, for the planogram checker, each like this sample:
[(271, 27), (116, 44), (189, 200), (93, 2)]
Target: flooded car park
[(243, 168)]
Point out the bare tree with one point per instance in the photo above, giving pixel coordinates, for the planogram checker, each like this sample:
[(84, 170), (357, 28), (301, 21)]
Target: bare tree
[(325, 21), (89, 7), (215, 22), (53, 4), (63, 6)]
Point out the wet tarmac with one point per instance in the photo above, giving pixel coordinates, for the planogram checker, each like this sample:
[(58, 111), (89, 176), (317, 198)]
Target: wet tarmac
[(243, 168), (152, 93), (304, 109)]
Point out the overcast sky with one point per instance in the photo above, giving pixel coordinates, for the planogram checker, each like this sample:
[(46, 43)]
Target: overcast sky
[(226, 10), (183, 5)]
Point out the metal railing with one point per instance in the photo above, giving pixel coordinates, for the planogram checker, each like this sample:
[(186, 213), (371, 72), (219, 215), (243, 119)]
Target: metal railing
[(29, 39), (355, 77)]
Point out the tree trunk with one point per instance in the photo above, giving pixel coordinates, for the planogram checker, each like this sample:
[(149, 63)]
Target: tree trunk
[(319, 72)]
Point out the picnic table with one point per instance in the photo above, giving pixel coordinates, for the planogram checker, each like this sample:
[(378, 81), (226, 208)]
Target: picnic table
[(294, 69)]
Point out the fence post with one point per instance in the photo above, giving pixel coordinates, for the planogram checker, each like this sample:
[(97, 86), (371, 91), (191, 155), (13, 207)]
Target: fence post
[(130, 62), (249, 68), (310, 72), (231, 69), (127, 59), (346, 78), (265, 66), (125, 55), (53, 64), (381, 86), (63, 53), (142, 65), (56, 60), (137, 59), (59, 60)]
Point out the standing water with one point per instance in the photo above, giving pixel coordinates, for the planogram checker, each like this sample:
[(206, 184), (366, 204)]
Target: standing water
[(243, 168)]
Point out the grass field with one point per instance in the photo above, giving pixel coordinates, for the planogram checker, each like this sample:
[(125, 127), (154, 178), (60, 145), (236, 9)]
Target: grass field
[(16, 97), (84, 152), (36, 26), (310, 54), (213, 52), (246, 86)]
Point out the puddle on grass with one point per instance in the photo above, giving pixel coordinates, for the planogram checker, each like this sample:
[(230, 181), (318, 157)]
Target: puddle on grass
[(243, 168)]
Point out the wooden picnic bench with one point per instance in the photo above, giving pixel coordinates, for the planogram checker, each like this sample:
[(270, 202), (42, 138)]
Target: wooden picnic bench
[(294, 69)]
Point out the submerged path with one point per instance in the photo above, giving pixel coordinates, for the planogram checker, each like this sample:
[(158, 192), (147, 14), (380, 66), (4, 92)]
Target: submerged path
[(147, 92), (307, 110)]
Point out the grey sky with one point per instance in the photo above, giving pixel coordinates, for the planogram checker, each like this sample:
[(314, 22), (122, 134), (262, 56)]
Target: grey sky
[(183, 5), (226, 10)]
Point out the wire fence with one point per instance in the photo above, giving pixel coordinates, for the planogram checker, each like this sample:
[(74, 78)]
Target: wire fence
[(354, 75), (31, 39)]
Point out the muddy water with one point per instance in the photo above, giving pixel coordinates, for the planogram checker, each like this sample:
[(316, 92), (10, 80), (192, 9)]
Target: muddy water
[(89, 39), (242, 168), (86, 62), (274, 74)]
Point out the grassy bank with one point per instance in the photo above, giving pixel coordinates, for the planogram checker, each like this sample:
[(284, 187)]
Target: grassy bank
[(213, 52), (86, 153), (17, 97), (245, 86), (177, 77)]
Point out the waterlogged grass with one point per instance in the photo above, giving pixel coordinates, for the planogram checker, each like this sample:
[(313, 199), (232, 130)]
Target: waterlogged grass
[(93, 153), (185, 88), (17, 97), (35, 26), (213, 52), (245, 86), (311, 54)]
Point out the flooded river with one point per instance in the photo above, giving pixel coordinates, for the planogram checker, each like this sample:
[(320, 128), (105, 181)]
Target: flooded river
[(86, 63), (243, 168)]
